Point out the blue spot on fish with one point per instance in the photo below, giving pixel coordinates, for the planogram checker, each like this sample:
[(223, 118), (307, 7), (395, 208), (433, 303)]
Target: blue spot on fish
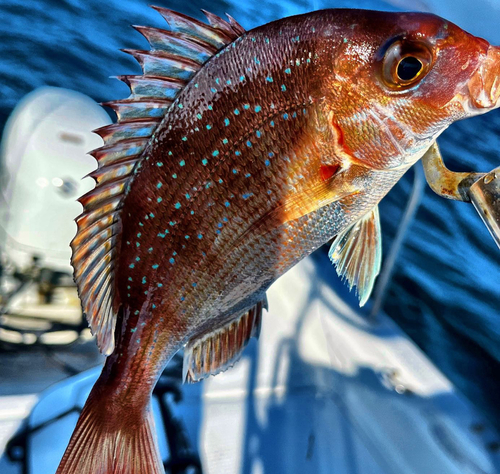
[(249, 143), (209, 127), (258, 133), (188, 196), (226, 122), (204, 161), (285, 116), (227, 204), (182, 162), (184, 139), (225, 141), (269, 79), (198, 116), (177, 205), (215, 152), (200, 236), (236, 112), (258, 108), (246, 106), (267, 162), (174, 176), (237, 153), (172, 261), (159, 199), (213, 89), (242, 78), (155, 266), (131, 265), (283, 87), (159, 164), (159, 185), (288, 70)]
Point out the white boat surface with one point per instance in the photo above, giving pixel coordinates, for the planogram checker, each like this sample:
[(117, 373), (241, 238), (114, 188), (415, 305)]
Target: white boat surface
[(323, 391)]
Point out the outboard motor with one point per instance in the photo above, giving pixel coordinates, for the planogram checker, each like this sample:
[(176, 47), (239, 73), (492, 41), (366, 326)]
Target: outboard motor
[(43, 158)]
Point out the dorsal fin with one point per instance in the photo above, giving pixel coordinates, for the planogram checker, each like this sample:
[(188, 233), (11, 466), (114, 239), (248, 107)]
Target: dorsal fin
[(219, 350), (357, 254), (174, 58)]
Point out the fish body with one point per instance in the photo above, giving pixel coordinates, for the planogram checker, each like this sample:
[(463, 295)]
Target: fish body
[(267, 144)]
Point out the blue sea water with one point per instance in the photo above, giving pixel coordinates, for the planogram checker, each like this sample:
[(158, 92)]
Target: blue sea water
[(445, 290)]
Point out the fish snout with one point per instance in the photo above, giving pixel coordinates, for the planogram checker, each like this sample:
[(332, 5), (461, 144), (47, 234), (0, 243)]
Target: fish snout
[(484, 85)]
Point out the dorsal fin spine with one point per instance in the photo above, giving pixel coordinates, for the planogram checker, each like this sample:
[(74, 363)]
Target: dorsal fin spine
[(173, 60)]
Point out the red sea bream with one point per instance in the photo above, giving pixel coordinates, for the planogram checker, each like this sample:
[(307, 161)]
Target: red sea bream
[(238, 154)]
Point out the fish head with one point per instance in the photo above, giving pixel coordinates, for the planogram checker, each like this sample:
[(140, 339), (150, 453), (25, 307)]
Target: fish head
[(398, 80)]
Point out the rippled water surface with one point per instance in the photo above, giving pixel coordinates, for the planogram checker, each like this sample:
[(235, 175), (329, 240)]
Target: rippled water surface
[(445, 291)]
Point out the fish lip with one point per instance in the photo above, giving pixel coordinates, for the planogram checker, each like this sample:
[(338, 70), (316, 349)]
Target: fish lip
[(484, 85)]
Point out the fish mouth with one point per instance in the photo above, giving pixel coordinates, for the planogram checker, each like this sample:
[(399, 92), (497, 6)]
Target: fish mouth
[(484, 85)]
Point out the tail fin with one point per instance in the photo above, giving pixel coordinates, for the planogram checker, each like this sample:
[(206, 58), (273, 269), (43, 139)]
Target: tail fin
[(107, 442)]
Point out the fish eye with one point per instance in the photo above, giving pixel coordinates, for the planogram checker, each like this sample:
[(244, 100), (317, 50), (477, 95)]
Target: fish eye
[(409, 68), (405, 63)]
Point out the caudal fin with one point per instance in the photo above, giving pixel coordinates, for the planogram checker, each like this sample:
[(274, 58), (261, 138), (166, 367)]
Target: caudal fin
[(107, 442)]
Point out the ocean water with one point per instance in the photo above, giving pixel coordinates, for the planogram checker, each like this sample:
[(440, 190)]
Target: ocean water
[(445, 289)]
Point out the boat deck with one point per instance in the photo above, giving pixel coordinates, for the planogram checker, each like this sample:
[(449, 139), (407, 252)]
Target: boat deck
[(324, 391)]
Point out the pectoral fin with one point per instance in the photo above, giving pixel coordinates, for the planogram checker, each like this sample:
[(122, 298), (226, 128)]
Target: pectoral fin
[(317, 196), (357, 254)]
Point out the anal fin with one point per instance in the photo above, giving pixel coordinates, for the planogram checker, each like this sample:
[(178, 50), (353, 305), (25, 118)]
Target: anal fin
[(357, 254), (220, 349)]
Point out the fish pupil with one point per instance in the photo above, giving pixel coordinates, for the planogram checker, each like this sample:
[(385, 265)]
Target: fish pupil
[(409, 68)]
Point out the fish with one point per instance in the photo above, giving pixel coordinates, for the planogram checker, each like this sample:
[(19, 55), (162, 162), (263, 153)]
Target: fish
[(238, 154)]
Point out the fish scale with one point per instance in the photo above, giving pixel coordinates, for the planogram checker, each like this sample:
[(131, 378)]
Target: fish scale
[(236, 155)]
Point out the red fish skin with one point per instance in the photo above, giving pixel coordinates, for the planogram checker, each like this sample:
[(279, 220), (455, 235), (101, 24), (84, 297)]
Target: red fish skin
[(211, 279), (225, 199)]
